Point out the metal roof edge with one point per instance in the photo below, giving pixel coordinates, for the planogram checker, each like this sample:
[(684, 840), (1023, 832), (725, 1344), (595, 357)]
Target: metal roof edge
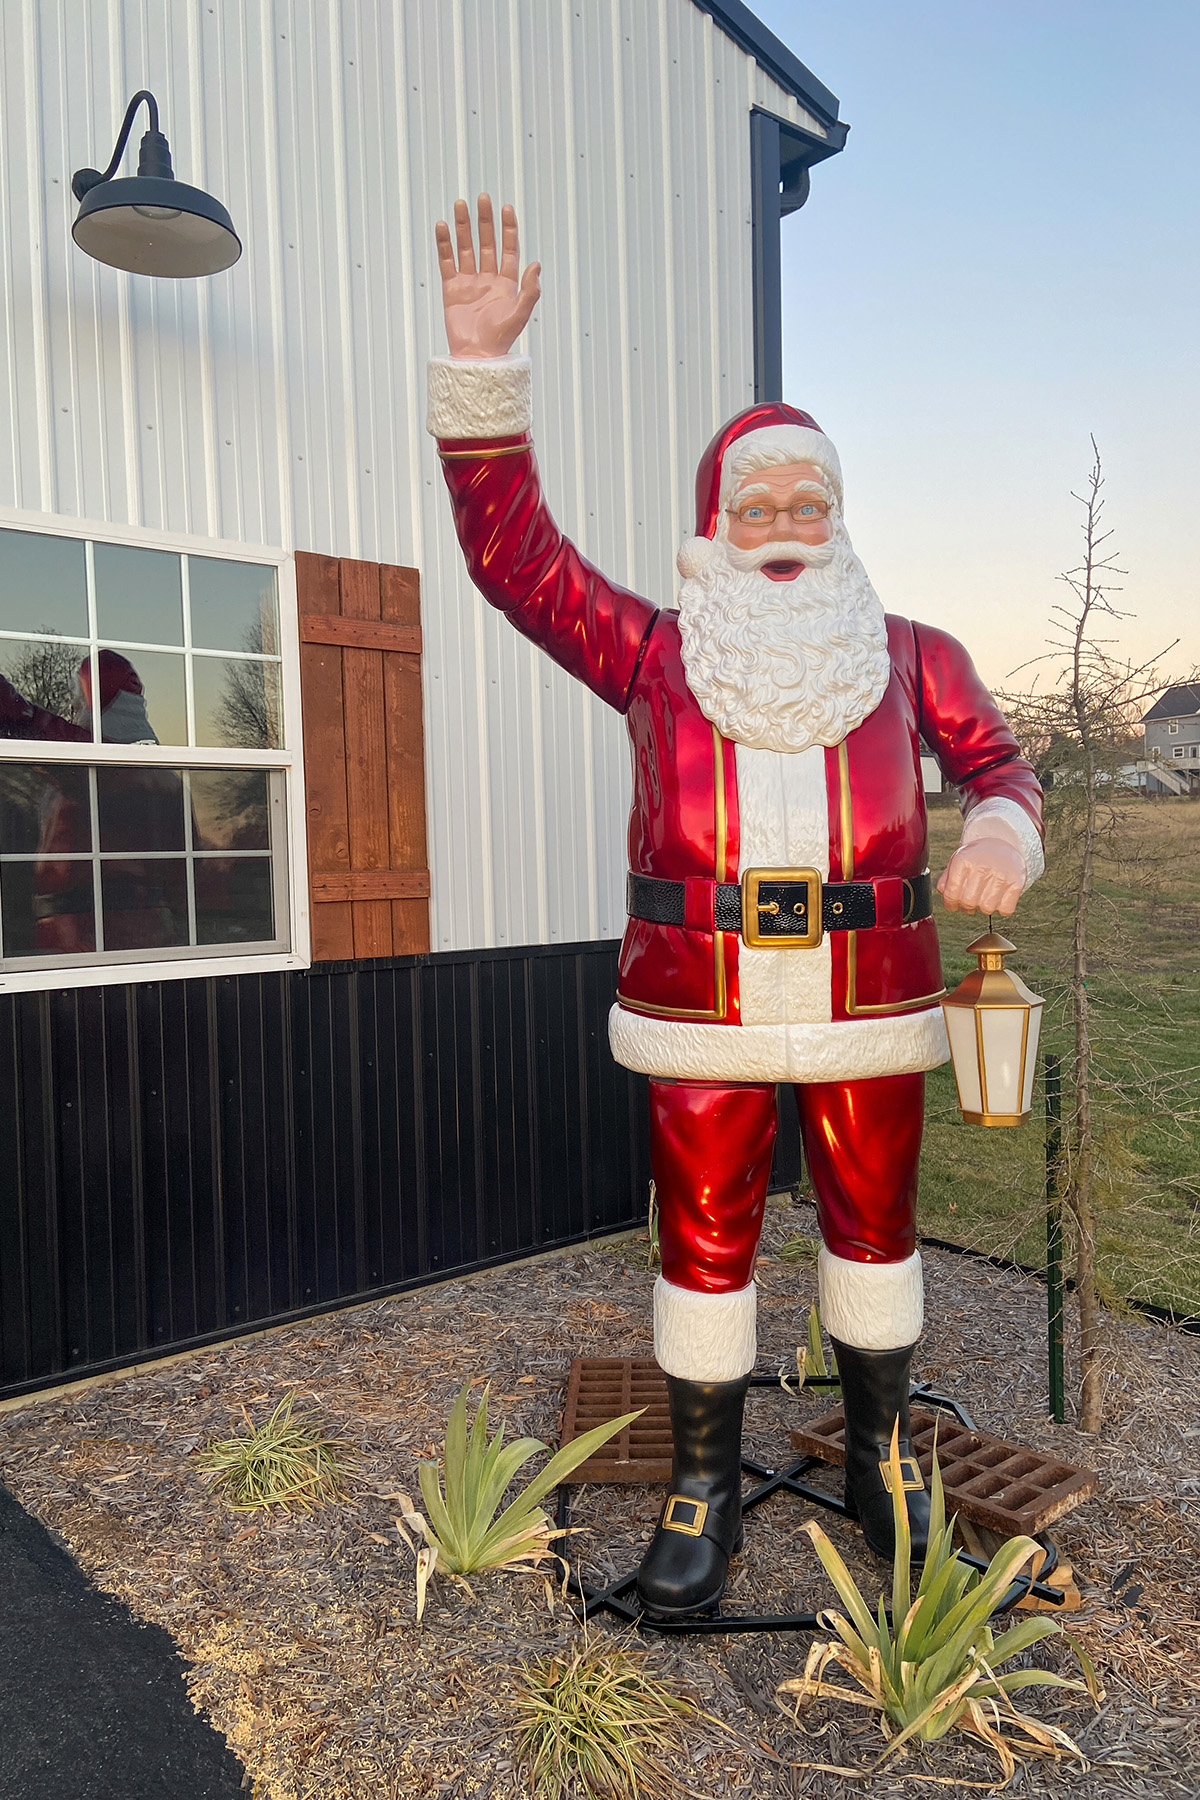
[(770, 53)]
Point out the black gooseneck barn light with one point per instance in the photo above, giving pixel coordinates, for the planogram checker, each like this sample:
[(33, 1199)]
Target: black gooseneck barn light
[(150, 223)]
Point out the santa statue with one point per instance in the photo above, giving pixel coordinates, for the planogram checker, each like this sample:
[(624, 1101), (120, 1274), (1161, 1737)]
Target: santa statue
[(780, 913)]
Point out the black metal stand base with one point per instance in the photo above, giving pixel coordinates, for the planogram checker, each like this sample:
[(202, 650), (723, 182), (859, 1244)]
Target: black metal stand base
[(620, 1597)]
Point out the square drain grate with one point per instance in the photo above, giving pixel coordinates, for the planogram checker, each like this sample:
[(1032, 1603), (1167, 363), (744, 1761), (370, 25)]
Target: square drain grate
[(604, 1387), (1001, 1486)]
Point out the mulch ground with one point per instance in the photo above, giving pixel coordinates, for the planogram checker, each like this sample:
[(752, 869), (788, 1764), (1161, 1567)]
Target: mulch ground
[(300, 1631)]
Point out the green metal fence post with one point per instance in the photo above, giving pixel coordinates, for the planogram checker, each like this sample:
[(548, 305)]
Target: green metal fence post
[(1054, 1276)]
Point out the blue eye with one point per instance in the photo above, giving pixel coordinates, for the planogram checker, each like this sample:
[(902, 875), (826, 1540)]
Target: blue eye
[(807, 511)]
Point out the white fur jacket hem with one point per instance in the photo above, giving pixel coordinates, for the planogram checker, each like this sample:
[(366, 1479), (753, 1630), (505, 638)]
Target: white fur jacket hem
[(846, 1050)]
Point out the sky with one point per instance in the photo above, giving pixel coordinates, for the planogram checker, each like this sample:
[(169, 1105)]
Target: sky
[(1002, 262)]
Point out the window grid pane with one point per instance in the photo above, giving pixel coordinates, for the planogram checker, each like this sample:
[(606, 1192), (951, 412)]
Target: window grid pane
[(243, 716), (218, 895)]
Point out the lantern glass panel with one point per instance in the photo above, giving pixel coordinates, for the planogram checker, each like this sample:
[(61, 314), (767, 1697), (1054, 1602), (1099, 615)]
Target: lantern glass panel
[(1031, 1056), (1003, 1031), (960, 1028)]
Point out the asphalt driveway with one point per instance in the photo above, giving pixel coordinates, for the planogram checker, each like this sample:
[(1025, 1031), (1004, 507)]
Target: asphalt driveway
[(92, 1702)]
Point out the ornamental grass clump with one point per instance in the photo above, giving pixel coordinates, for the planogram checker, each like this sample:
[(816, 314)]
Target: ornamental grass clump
[(932, 1668), (595, 1723), (290, 1462), (810, 1360), (462, 1534)]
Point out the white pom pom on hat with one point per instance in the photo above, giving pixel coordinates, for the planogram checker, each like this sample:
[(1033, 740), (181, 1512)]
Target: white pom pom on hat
[(695, 553)]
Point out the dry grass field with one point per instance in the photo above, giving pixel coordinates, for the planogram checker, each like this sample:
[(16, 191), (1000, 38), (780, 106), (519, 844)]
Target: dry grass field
[(985, 1188)]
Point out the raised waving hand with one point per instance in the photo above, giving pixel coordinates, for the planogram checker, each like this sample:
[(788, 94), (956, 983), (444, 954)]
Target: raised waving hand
[(486, 307)]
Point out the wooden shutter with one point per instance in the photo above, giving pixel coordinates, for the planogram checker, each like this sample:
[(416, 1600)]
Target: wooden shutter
[(364, 757)]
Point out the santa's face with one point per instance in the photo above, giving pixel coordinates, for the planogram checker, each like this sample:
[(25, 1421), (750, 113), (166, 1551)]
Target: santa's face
[(775, 508), (783, 636)]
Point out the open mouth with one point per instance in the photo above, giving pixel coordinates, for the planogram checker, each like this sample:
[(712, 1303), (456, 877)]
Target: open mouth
[(782, 571)]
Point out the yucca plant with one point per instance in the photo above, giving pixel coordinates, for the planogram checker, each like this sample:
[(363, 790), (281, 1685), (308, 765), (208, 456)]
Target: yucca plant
[(810, 1358), (462, 1533), (290, 1462), (933, 1667), (595, 1723)]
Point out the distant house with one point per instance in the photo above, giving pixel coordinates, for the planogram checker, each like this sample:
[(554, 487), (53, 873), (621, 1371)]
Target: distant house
[(1172, 736), (932, 780)]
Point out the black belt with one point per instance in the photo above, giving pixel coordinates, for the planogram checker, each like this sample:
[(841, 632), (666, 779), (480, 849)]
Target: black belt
[(780, 906)]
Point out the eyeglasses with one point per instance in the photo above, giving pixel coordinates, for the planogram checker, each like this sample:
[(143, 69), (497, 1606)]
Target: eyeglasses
[(762, 513)]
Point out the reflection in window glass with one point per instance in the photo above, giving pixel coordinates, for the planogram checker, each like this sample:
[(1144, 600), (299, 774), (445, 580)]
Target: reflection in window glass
[(44, 809), (229, 809), (143, 697), (145, 904), (163, 885), (43, 584), (237, 703), (140, 809), (139, 595), (45, 672), (233, 900), (47, 908), (233, 605)]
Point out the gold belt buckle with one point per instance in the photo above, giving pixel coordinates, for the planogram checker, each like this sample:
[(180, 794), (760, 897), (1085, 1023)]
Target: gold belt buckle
[(911, 1479), (804, 914)]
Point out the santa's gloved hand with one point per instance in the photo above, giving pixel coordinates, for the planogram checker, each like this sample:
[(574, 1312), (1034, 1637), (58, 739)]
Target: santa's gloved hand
[(987, 875)]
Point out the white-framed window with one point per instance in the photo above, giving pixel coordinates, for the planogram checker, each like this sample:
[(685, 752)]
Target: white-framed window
[(1178, 752), (1173, 727), (151, 803)]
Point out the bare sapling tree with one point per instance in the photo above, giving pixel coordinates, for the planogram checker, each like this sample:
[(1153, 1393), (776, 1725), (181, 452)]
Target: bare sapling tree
[(1080, 729)]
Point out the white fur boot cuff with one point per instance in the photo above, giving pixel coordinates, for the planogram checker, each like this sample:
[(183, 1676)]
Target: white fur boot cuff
[(704, 1337), (873, 1306)]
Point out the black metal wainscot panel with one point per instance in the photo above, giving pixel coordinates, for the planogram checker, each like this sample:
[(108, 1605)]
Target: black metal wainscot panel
[(183, 1160)]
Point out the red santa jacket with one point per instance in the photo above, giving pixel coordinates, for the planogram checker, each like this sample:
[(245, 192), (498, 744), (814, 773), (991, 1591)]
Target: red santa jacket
[(684, 821)]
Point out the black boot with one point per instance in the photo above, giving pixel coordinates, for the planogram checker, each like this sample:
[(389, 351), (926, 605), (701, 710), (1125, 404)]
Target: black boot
[(700, 1527), (875, 1392)]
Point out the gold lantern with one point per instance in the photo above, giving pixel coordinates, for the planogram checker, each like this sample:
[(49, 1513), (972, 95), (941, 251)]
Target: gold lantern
[(993, 1021)]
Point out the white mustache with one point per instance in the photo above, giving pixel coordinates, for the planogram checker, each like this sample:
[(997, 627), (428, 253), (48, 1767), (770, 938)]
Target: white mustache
[(813, 556)]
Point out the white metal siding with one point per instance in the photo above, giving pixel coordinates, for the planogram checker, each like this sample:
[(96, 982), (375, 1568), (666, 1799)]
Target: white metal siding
[(283, 402)]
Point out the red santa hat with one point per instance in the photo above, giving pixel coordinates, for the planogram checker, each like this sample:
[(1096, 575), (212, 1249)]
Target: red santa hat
[(117, 676), (771, 429)]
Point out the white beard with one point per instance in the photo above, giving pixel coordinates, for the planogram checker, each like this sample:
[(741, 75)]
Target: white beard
[(783, 665)]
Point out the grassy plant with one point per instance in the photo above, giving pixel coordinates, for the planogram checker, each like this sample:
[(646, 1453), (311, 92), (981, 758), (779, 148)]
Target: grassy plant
[(814, 1362), (288, 1462), (933, 1667), (654, 1258), (811, 1360), (595, 1722), (803, 1250), (462, 1533)]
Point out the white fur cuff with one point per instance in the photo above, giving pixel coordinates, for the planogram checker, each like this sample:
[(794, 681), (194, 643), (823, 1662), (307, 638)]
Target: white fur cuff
[(1008, 812), (873, 1306), (479, 397), (704, 1337)]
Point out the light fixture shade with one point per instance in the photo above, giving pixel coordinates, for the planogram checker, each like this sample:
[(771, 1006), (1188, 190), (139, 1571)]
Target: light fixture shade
[(152, 226), (993, 1023)]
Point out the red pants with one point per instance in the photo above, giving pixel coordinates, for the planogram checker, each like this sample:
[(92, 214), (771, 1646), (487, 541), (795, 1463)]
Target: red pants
[(710, 1153)]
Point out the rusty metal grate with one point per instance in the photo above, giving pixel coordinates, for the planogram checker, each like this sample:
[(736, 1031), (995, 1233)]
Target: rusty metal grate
[(604, 1387), (1003, 1487)]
